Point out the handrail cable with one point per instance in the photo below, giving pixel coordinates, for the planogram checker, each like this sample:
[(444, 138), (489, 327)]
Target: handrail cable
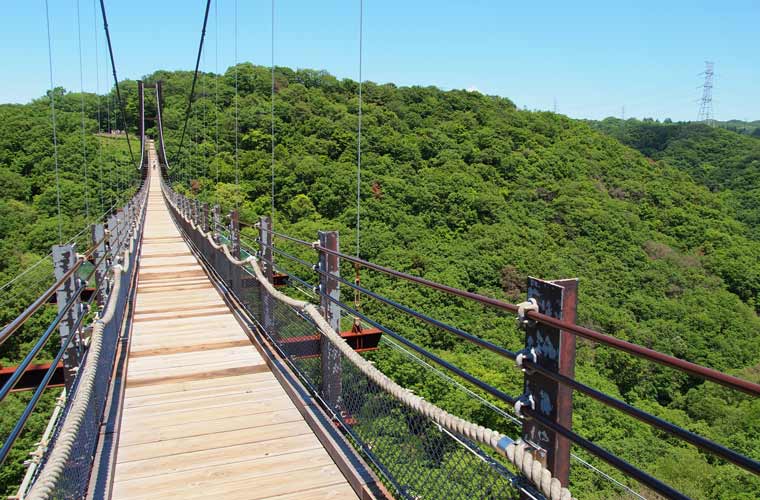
[(634, 349), (596, 450), (14, 325), (690, 437), (195, 78), (116, 79)]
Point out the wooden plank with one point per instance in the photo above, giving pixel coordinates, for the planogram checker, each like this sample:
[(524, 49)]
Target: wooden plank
[(187, 444), (229, 447), (190, 396), (159, 351), (221, 371), (261, 477), (202, 414), (218, 401)]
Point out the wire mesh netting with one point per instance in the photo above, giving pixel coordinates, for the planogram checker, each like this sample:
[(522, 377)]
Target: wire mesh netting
[(415, 457), (76, 472)]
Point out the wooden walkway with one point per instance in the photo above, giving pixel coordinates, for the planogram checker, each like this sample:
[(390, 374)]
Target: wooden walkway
[(203, 416)]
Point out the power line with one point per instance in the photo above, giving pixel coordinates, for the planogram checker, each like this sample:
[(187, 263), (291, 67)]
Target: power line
[(195, 78), (116, 79)]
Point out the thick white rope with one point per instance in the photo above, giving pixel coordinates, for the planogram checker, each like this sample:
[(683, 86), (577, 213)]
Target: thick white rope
[(52, 470), (517, 452)]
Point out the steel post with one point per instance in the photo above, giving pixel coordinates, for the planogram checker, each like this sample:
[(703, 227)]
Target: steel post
[(217, 221), (554, 350), (234, 234), (329, 264), (64, 258), (101, 264), (204, 217)]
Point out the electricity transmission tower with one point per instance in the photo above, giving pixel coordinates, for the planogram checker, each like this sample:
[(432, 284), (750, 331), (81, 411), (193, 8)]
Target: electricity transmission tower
[(705, 103)]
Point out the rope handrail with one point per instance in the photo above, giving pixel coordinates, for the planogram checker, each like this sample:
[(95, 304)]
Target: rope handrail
[(529, 412), (695, 369), (690, 437), (517, 452)]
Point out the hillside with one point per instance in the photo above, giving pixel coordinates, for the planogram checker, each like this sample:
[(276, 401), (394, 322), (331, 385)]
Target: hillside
[(467, 190), (29, 227)]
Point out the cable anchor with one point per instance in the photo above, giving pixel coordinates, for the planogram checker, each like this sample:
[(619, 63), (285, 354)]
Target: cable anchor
[(522, 311), (523, 401)]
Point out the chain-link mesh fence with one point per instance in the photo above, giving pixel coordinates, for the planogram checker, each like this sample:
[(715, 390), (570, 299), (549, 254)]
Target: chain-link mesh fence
[(74, 479), (415, 457)]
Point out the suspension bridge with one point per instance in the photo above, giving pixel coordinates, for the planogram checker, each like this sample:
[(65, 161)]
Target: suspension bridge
[(198, 366)]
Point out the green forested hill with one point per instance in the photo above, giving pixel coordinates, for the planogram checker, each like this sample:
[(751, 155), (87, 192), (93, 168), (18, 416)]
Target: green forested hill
[(29, 227), (721, 160), (467, 190)]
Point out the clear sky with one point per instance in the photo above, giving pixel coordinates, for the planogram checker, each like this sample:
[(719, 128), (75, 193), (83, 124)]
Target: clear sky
[(594, 57)]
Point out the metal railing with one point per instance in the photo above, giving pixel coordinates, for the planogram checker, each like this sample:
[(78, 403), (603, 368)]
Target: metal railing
[(109, 247), (285, 334)]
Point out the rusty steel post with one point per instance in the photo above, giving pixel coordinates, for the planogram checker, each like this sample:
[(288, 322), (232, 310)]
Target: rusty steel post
[(98, 235), (234, 234), (266, 255), (265, 262), (554, 350), (204, 217), (217, 221), (329, 264), (64, 258)]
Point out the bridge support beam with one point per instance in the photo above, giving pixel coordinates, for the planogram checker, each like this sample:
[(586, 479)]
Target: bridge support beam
[(64, 258), (554, 350), (330, 355)]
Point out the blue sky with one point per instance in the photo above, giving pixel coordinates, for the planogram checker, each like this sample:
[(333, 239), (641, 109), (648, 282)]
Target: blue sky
[(593, 57)]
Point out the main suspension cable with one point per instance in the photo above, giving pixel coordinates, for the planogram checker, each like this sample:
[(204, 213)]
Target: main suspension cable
[(195, 78), (116, 79), (52, 117)]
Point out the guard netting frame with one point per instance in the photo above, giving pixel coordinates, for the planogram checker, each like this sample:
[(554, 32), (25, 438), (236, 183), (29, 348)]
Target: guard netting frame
[(65, 469)]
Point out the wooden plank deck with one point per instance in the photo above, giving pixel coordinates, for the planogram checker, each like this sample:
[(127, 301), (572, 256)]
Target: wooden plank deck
[(203, 416)]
